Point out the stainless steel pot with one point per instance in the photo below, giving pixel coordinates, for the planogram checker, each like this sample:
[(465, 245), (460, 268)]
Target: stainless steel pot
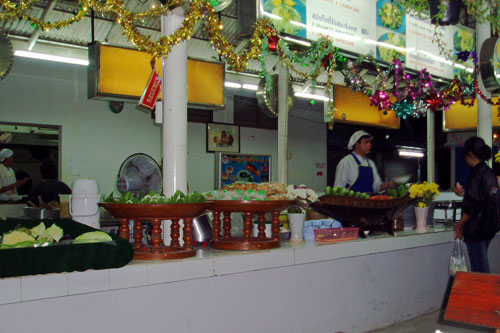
[(41, 213), (202, 228)]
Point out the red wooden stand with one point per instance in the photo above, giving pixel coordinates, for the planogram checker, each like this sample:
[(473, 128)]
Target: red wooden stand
[(475, 299), (224, 208), (156, 213)]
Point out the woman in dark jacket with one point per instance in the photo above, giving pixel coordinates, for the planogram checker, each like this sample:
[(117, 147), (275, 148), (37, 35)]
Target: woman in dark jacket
[(480, 219)]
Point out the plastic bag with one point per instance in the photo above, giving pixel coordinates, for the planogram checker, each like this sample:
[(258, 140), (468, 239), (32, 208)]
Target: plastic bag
[(459, 260)]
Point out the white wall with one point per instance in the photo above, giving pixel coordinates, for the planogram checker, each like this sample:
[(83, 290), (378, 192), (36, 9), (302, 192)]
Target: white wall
[(98, 141), (350, 294)]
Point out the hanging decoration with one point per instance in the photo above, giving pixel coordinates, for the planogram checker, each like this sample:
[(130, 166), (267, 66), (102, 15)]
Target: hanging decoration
[(412, 97)]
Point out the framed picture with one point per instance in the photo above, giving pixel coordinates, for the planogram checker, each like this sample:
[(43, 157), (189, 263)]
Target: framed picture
[(231, 168), (223, 137)]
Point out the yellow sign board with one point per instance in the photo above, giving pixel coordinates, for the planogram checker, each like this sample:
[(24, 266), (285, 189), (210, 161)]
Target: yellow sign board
[(354, 108), (120, 73), (461, 117)]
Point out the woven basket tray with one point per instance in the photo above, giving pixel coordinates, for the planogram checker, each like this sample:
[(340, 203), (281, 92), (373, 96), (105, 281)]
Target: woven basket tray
[(338, 200)]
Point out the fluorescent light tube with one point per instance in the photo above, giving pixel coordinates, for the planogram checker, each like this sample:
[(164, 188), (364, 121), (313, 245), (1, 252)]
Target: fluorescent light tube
[(411, 153), (232, 85), (298, 41), (50, 57), (311, 96), (272, 16), (250, 86)]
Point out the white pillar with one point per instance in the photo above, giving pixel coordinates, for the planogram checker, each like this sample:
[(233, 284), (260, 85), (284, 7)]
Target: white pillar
[(283, 123), (484, 122), (174, 96), (431, 147)]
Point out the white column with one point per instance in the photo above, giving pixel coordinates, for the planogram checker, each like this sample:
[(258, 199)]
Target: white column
[(174, 96), (283, 123), (484, 129), (431, 147)]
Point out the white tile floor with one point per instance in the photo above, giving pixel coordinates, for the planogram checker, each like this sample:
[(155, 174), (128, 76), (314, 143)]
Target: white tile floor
[(431, 323)]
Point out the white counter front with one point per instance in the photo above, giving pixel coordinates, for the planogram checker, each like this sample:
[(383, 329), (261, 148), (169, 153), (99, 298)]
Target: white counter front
[(353, 286)]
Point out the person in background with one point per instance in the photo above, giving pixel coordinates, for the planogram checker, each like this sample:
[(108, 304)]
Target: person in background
[(8, 181), (356, 171), (25, 189), (46, 193), (480, 219)]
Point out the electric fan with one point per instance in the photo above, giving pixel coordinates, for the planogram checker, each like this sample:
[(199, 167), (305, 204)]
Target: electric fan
[(267, 97), (139, 173)]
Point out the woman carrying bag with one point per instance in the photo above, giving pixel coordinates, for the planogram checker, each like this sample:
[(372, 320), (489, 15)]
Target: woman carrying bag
[(480, 219)]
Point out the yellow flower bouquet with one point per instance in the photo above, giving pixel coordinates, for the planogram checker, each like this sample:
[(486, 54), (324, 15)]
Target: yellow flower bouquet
[(424, 193), (497, 157)]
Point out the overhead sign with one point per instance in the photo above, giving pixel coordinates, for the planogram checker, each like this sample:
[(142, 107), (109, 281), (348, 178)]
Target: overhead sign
[(120, 73), (378, 28), (462, 118), (354, 108)]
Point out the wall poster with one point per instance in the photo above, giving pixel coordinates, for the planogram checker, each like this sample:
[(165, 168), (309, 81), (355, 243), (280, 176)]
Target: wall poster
[(231, 168)]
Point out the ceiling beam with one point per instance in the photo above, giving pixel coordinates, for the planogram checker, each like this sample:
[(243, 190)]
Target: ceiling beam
[(34, 36)]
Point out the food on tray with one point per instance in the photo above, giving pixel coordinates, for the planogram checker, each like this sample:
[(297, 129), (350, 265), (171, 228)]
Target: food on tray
[(399, 192), (249, 191), (391, 15), (388, 53), (36, 236), (341, 191), (155, 198), (380, 197), (93, 237)]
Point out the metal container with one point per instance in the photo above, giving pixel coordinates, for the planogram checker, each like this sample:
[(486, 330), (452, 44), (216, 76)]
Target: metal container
[(41, 213), (202, 228)]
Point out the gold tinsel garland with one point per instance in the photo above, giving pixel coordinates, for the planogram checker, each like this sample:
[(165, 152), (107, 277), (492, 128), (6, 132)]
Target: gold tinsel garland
[(162, 47)]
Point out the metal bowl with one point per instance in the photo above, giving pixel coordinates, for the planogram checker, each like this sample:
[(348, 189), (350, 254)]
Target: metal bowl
[(41, 213), (202, 228)]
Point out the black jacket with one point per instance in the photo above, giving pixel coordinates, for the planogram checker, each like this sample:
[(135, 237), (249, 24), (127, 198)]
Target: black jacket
[(482, 203)]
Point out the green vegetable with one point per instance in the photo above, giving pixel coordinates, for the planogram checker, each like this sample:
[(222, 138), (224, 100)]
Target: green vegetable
[(156, 198), (54, 232), (402, 190), (38, 230), (93, 237), (18, 244), (15, 236), (392, 193)]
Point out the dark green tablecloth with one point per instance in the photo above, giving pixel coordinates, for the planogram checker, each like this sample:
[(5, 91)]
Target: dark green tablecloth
[(62, 258)]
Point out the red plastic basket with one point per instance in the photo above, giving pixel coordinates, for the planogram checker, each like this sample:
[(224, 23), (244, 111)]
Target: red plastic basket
[(333, 235)]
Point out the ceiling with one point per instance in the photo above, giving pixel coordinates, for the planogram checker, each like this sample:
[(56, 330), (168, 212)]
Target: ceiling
[(72, 40), (106, 30)]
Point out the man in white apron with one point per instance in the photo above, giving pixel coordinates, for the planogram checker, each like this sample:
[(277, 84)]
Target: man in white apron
[(356, 171), (8, 182)]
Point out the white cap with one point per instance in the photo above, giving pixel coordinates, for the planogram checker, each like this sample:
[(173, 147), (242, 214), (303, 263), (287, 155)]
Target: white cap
[(5, 153), (355, 137)]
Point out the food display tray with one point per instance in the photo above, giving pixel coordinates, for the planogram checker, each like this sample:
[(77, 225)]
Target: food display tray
[(158, 250), (62, 258), (253, 206), (366, 214), (338, 200), (156, 211)]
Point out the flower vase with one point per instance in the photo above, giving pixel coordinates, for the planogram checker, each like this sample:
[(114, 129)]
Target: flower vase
[(421, 218), (296, 226)]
